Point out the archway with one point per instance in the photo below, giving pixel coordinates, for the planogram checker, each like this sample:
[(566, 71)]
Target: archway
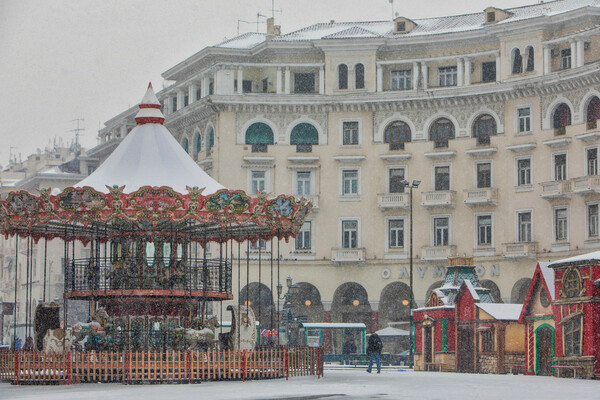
[(561, 116), (259, 297), (307, 303), (431, 288), (350, 304), (494, 289), (519, 291), (544, 349), (394, 305), (593, 110)]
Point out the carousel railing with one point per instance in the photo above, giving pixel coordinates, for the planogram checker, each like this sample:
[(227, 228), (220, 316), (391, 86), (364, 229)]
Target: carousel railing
[(151, 366), (104, 274)]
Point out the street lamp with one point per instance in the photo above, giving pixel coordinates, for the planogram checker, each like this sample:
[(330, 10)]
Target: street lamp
[(287, 304), (415, 184)]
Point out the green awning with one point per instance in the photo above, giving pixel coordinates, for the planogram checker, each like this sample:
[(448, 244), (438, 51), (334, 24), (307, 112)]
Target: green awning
[(304, 133), (259, 133)]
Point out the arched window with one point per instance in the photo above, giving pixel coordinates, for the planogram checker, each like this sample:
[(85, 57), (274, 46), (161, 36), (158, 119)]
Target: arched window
[(530, 59), (342, 76), (441, 131), (517, 61), (210, 140), (198, 143), (259, 135), (185, 144), (593, 111), (484, 127), (359, 76), (396, 134), (304, 135), (561, 116)]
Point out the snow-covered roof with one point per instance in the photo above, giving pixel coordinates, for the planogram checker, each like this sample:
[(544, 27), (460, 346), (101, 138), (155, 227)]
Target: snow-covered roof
[(150, 156), (337, 325), (499, 311), (593, 256), (471, 289), (244, 41), (390, 331), (548, 274)]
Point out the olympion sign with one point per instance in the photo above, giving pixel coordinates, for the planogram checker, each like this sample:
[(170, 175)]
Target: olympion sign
[(439, 271)]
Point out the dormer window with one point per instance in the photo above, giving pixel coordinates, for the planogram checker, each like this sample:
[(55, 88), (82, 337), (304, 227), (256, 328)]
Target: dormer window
[(491, 16), (494, 14), (401, 26)]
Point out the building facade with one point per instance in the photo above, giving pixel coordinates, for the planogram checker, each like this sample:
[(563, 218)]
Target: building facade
[(495, 113)]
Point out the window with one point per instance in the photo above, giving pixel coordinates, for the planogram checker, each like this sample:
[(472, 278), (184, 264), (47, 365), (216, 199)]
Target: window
[(350, 133), (401, 26), (484, 127), (484, 175), (174, 104), (303, 238), (488, 71), (560, 224), (350, 182), (484, 229), (571, 283), (524, 225), (342, 76), (517, 61), (350, 234), (560, 167), (396, 233), (395, 177), (258, 179), (524, 172), (524, 119), (442, 177), (198, 94), (487, 341), (304, 83), (447, 76), (259, 135), (304, 136), (561, 116), (440, 231), (402, 79), (186, 99), (592, 220), (265, 85), (198, 143), (441, 131), (210, 139), (359, 76), (186, 145), (572, 333), (396, 134), (530, 59), (565, 59), (303, 183), (260, 244), (592, 161), (491, 16)]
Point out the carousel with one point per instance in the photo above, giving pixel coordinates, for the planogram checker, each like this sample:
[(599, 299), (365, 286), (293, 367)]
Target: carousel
[(148, 216)]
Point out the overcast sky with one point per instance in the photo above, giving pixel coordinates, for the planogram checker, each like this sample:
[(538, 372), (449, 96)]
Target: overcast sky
[(91, 59)]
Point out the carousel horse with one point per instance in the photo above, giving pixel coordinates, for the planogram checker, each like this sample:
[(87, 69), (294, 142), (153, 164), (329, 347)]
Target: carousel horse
[(92, 335), (198, 338), (242, 336), (57, 340)]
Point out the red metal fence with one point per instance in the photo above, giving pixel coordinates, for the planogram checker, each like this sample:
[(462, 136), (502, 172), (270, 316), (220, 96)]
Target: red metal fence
[(135, 367)]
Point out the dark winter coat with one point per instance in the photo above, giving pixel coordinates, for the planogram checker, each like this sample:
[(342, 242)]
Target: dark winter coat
[(374, 345)]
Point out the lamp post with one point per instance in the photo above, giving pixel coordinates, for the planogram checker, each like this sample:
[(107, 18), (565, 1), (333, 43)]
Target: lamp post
[(415, 184), (287, 304)]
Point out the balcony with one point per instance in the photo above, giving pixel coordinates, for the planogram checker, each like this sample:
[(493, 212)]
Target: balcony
[(437, 252), (314, 199), (556, 190), (584, 185), (481, 196), (393, 200), (342, 256), (438, 198), (520, 250)]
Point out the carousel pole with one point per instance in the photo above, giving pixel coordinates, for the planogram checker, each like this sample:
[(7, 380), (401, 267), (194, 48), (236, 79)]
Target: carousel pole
[(259, 291), (278, 283), (239, 282), (15, 305), (272, 310), (45, 262), (27, 290)]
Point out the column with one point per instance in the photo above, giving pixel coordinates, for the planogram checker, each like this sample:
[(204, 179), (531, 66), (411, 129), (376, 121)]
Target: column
[(240, 81), (287, 80), (547, 60), (215, 88), (415, 75), (278, 81), (192, 92), (204, 86), (574, 55), (322, 80), (425, 72), (460, 72), (123, 132), (498, 76), (580, 52), (467, 71), (379, 78), (179, 99)]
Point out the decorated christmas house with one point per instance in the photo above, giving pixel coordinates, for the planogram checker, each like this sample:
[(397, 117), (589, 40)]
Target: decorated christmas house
[(538, 316)]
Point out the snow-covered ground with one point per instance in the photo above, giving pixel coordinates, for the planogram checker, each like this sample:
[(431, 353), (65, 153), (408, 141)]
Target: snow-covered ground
[(337, 384)]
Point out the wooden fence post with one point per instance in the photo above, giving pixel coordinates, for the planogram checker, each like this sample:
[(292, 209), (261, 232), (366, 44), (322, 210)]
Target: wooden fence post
[(189, 366), (243, 366), (17, 368), (287, 364), (68, 367)]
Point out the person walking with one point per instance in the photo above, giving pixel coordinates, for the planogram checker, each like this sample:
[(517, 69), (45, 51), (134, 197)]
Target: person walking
[(374, 347)]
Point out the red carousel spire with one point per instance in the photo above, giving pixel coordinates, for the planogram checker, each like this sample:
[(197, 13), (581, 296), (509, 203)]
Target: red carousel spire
[(150, 109)]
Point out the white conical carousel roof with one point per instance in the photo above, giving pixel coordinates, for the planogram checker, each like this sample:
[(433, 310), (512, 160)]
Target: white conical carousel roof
[(150, 156)]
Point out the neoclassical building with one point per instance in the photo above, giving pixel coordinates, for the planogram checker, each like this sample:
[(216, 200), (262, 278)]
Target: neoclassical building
[(495, 113)]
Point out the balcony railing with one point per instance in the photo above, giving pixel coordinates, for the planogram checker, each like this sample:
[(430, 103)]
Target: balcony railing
[(560, 131), (481, 196), (442, 198), (520, 250), (393, 200), (356, 255), (586, 184), (556, 190), (591, 125), (437, 252)]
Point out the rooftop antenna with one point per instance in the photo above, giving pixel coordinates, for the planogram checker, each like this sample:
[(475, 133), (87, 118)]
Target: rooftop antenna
[(78, 129), (273, 10), (392, 3), (10, 153), (258, 15), (241, 20)]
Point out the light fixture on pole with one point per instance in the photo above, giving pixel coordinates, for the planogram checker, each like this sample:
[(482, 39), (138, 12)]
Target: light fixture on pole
[(415, 184)]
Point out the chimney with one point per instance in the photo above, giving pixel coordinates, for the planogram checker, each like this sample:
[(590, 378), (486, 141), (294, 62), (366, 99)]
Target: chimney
[(271, 26)]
